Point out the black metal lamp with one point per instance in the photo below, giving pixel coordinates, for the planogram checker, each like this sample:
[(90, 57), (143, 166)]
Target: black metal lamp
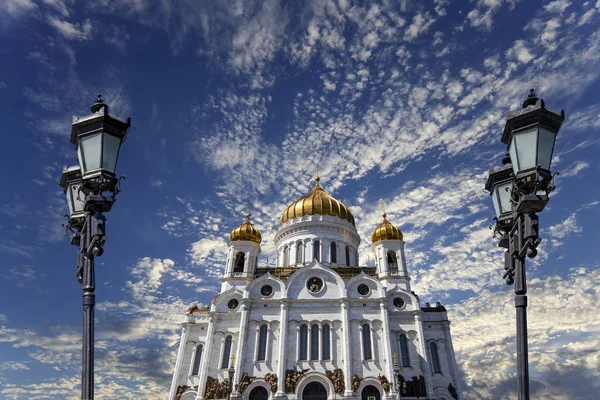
[(70, 181), (530, 134), (499, 184), (231, 372), (98, 138)]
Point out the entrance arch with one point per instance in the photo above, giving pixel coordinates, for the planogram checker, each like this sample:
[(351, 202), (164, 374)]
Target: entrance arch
[(258, 393), (314, 391), (370, 392)]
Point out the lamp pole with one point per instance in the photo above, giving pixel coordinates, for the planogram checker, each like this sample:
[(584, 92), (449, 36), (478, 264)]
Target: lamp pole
[(519, 191), (231, 372), (90, 189)]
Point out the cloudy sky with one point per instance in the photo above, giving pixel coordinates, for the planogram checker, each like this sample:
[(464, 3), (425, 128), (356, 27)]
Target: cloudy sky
[(237, 101)]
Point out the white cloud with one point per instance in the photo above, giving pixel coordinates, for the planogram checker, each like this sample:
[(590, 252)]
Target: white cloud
[(575, 169), (586, 17), (520, 52), (78, 31), (558, 6), (420, 24), (16, 8)]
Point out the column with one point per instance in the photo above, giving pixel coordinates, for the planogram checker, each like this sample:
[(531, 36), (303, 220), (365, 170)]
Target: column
[(325, 256), (309, 252), (179, 363), (206, 358), (293, 254), (346, 348), (424, 354), (387, 345), (320, 343), (241, 340), (452, 361), (282, 356)]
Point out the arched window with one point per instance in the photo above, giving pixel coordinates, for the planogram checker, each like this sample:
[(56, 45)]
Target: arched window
[(333, 251), (286, 256), (240, 260), (392, 262), (347, 256), (314, 342), (435, 359), (303, 342), (317, 250), (262, 343), (197, 358), (404, 351), (299, 253), (367, 354), (325, 352), (226, 353)]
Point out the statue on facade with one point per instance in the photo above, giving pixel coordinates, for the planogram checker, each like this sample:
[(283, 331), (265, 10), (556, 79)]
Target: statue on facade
[(214, 389), (245, 381), (385, 384), (452, 391), (337, 379), (355, 382), (272, 380), (292, 376), (413, 388)]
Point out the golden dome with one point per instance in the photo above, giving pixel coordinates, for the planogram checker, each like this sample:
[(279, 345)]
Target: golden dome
[(317, 202), (386, 231), (246, 231)]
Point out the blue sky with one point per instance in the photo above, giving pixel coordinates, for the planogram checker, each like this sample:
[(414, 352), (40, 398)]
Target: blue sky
[(237, 101)]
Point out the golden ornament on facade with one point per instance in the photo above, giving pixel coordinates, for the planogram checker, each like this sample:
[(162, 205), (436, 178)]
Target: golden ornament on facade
[(246, 231), (317, 202), (386, 230)]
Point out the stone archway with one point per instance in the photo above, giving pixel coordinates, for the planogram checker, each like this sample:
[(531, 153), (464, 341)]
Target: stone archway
[(314, 391), (370, 392), (258, 393)]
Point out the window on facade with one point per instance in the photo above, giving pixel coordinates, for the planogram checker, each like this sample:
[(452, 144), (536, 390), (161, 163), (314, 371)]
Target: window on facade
[(262, 343), (240, 260), (299, 253), (347, 256), (197, 358), (314, 342), (392, 262), (226, 353), (404, 351), (333, 252), (367, 354), (325, 352), (303, 342), (435, 359), (317, 250)]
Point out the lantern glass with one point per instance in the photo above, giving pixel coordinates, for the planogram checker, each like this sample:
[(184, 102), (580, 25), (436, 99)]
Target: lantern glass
[(502, 198), (545, 147), (90, 147), (523, 150), (78, 198), (110, 152)]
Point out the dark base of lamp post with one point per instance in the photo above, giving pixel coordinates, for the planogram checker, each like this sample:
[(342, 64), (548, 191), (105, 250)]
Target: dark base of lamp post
[(522, 347)]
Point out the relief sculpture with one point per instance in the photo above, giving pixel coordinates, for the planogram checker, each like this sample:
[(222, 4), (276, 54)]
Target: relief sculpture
[(355, 382), (272, 380), (385, 384), (245, 381), (337, 378), (292, 376), (413, 388), (214, 389)]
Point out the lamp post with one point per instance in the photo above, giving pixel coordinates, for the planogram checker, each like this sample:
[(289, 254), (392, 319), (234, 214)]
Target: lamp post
[(90, 190), (231, 372), (519, 191)]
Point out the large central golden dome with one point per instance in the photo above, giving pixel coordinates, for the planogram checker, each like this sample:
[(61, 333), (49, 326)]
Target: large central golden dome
[(317, 202)]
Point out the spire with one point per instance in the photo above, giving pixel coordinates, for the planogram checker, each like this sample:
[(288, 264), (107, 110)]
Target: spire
[(317, 179), (384, 215), (249, 208)]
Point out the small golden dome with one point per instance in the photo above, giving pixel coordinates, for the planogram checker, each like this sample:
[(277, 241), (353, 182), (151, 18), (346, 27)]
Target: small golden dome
[(386, 231), (317, 202), (246, 231)]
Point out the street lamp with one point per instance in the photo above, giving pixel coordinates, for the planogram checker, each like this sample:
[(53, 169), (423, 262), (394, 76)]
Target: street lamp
[(231, 372), (519, 191), (90, 190)]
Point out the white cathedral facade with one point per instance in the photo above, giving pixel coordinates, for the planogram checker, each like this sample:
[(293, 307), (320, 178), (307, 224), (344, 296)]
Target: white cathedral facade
[(316, 326)]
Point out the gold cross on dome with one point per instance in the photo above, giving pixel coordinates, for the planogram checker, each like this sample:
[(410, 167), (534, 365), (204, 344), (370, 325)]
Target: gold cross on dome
[(249, 208)]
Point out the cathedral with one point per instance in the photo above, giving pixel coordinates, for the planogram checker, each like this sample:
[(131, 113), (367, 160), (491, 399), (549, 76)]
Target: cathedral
[(316, 325)]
